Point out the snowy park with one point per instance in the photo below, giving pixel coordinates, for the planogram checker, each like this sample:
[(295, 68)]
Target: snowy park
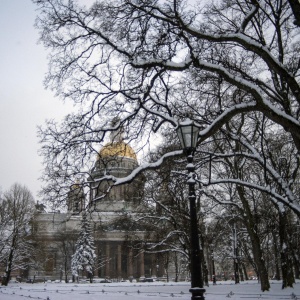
[(176, 154), (147, 291)]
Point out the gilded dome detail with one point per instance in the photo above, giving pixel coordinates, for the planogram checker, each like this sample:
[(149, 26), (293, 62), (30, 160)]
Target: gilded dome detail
[(117, 149)]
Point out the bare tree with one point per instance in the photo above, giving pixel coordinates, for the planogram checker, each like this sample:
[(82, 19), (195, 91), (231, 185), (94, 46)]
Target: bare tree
[(245, 176), (18, 206), (151, 63), (295, 5), (231, 66), (66, 242)]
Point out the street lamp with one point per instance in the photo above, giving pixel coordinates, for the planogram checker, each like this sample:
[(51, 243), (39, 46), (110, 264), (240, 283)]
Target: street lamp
[(212, 262), (187, 132), (235, 256)]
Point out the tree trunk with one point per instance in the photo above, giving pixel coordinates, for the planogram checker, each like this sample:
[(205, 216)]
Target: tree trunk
[(66, 270), (176, 268), (255, 241), (241, 271), (286, 261), (276, 256), (296, 266), (6, 278), (245, 271), (204, 263), (260, 263)]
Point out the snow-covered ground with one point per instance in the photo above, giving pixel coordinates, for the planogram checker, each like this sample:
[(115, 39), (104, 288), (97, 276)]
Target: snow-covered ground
[(144, 291)]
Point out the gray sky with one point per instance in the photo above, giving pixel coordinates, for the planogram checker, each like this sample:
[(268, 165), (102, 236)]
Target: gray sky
[(24, 103)]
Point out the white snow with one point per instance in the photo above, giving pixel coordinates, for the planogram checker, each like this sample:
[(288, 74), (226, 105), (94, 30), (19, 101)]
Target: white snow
[(148, 291)]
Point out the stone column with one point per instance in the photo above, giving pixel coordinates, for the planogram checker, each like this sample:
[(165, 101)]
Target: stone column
[(153, 265), (142, 264), (107, 257), (119, 260), (130, 263)]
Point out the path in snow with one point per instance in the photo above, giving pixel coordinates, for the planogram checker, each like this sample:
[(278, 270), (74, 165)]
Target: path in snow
[(146, 291)]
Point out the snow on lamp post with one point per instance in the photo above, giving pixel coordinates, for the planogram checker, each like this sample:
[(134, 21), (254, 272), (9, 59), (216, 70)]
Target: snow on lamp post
[(187, 132)]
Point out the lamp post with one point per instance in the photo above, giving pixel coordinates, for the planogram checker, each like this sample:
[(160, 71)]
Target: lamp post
[(212, 262), (187, 132), (235, 256)]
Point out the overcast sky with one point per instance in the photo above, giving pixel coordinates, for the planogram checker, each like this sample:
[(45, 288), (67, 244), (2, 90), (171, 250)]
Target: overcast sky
[(24, 103)]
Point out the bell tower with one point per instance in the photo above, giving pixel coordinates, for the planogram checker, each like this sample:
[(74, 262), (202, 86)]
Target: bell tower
[(76, 199)]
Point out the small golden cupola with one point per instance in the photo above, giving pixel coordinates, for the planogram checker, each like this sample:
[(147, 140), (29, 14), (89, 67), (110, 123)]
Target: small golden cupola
[(117, 159), (117, 149)]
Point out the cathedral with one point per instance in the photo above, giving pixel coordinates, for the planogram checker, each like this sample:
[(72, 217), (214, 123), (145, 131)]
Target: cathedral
[(118, 239)]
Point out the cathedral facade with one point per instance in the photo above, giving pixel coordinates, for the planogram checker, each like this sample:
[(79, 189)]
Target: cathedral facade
[(118, 239)]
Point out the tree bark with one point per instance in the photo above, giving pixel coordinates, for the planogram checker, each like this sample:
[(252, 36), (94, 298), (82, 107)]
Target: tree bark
[(255, 241), (245, 271), (296, 266), (276, 255), (260, 263), (6, 278), (286, 261)]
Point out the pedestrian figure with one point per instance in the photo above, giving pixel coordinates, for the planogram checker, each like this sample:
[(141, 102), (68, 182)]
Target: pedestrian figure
[(214, 280)]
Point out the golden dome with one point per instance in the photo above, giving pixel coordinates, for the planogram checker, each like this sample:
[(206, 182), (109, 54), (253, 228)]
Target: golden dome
[(76, 185), (117, 149)]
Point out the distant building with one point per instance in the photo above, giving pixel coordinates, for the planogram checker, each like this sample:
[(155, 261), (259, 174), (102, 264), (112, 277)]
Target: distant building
[(117, 238)]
